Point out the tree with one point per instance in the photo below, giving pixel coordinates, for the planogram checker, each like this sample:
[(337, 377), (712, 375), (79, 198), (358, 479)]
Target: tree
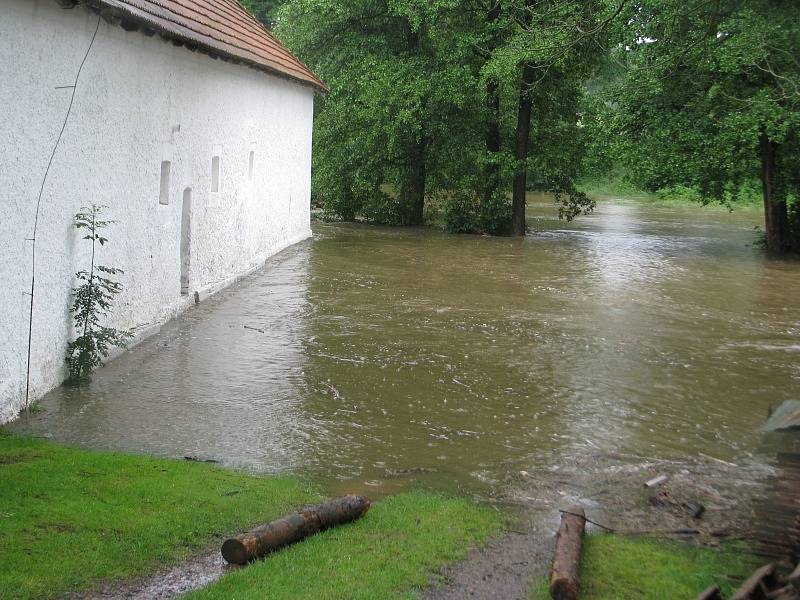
[(93, 300), (710, 99), (264, 10), (548, 51), (385, 132), (437, 98)]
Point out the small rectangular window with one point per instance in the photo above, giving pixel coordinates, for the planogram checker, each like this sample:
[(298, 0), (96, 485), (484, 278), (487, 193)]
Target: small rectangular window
[(250, 166), (163, 197), (215, 174)]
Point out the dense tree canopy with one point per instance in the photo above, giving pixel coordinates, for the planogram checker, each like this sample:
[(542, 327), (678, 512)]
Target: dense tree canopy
[(709, 98), (452, 109), (425, 104)]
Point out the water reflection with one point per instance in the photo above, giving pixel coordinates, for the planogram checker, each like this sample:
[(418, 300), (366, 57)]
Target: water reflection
[(382, 355)]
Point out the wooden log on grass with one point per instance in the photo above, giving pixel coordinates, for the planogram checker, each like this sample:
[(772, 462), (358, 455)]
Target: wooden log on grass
[(565, 576), (267, 538)]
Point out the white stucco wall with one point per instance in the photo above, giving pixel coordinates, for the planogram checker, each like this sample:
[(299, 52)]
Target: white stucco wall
[(140, 101)]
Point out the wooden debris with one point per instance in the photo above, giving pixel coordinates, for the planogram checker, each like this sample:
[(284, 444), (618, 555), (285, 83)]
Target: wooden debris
[(200, 460), (656, 481), (695, 510), (777, 523), (758, 586), (764, 584), (712, 593), (794, 578), (565, 576), (270, 537)]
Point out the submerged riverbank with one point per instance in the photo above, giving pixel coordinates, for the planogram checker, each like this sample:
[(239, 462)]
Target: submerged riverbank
[(97, 525)]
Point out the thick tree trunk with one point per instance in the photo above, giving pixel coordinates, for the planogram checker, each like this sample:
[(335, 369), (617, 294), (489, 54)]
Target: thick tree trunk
[(566, 574), (492, 174), (313, 519), (521, 143), (413, 195), (776, 218)]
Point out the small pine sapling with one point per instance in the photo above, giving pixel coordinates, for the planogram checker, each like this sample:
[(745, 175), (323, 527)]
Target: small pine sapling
[(93, 299)]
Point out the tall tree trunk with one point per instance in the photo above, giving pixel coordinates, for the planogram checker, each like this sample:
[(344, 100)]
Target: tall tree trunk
[(776, 219), (413, 193), (492, 174), (521, 144)]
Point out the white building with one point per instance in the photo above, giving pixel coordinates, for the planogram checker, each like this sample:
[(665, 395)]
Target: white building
[(189, 121)]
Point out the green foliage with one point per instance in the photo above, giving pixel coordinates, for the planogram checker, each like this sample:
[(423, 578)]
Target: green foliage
[(390, 553), (495, 214), (264, 10), (408, 103), (396, 77), (70, 519), (702, 84), (92, 301), (460, 212), (624, 568)]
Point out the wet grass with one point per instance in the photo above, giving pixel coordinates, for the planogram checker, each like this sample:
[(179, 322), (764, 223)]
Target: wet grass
[(70, 519), (628, 568), (617, 189), (390, 553)]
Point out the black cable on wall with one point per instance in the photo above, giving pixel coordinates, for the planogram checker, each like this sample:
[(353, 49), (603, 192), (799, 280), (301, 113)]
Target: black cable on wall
[(32, 239)]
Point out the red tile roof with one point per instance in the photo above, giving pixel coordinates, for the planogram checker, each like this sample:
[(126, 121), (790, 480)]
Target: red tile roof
[(218, 27)]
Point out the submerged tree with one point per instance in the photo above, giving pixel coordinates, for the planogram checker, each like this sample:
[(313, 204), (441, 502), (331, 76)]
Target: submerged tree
[(398, 80), (93, 299), (440, 98), (552, 50), (710, 99)]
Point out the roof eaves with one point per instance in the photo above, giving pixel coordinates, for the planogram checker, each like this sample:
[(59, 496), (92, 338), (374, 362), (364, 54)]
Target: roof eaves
[(120, 13)]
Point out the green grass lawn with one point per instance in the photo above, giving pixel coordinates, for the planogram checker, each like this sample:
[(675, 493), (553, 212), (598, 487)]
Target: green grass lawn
[(71, 518), (388, 554), (617, 189), (628, 568)]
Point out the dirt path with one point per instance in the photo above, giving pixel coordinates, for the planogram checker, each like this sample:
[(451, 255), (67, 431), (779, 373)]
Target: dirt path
[(503, 569)]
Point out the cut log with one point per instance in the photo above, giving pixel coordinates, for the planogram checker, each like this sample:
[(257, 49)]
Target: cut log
[(758, 585), (270, 537), (565, 576), (712, 593)]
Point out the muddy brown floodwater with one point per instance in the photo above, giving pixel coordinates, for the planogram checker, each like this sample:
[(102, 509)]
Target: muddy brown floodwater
[(636, 340)]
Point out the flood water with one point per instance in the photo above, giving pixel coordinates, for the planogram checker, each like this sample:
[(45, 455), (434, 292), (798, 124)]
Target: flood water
[(371, 358)]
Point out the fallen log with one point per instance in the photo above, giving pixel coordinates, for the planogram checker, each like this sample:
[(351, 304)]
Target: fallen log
[(565, 576), (270, 537)]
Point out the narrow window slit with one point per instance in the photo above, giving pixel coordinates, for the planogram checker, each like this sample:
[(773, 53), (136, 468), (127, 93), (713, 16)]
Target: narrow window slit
[(163, 196), (215, 174)]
